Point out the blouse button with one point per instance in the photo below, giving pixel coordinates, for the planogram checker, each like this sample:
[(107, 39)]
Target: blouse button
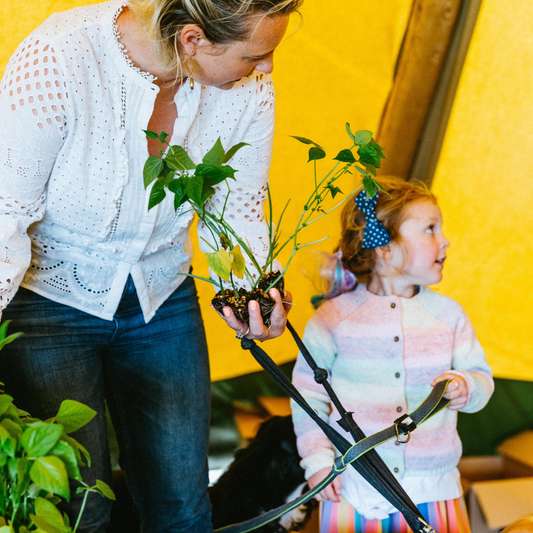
[(393, 305), (399, 408), (396, 339), (397, 374), (397, 442), (396, 470)]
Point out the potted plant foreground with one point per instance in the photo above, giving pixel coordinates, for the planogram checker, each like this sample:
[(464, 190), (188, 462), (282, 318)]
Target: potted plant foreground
[(230, 256)]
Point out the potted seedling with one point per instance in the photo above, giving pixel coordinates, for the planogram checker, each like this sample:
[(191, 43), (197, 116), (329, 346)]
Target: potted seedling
[(37, 459), (230, 256)]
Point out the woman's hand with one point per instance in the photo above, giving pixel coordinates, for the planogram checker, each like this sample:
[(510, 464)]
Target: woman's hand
[(257, 330), (331, 492), (456, 391)]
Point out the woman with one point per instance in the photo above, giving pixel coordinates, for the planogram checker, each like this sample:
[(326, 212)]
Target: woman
[(105, 311)]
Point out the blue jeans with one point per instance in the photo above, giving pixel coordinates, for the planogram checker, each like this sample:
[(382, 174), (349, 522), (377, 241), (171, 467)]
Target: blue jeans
[(155, 380)]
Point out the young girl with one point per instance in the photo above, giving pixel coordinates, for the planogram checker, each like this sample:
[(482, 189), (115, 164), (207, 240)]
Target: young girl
[(385, 344)]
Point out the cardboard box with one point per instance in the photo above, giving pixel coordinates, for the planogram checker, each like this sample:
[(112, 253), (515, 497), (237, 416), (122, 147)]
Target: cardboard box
[(499, 489)]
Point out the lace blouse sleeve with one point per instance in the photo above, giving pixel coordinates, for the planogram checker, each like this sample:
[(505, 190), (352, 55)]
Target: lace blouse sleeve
[(244, 205), (33, 102)]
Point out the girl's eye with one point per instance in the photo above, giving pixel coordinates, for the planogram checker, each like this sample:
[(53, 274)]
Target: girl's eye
[(430, 229)]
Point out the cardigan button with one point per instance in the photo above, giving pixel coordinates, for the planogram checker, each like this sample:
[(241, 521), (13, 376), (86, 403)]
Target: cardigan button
[(397, 375), (393, 305), (399, 408), (396, 339), (396, 470)]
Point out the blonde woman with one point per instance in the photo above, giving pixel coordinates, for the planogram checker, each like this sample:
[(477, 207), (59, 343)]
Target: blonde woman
[(86, 271)]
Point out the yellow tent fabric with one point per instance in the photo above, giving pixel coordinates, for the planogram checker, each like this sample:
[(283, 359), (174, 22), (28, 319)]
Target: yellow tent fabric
[(337, 68), (484, 184)]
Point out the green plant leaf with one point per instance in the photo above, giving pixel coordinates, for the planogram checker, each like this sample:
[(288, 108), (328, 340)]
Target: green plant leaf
[(378, 149), (15, 430), (50, 474), (371, 169), (105, 490), (216, 155), (77, 447), (6, 529), (67, 454), (177, 186), (238, 265), (9, 339), (220, 263), (163, 136), (152, 169), (349, 131), (38, 441), (47, 510), (194, 188), (5, 402), (18, 468), (233, 150), (345, 156), (367, 154), (157, 194), (214, 174), (334, 191), (370, 187), (316, 153), (303, 140), (151, 134), (178, 159), (8, 444), (363, 137), (73, 415), (45, 526)]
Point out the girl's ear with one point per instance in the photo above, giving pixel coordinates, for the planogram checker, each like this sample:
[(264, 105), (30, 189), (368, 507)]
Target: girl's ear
[(384, 252), (191, 37)]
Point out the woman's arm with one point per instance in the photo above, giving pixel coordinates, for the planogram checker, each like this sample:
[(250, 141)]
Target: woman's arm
[(33, 109)]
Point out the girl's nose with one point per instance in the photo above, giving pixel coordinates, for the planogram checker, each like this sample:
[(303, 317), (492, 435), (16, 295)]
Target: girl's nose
[(266, 65), (445, 243)]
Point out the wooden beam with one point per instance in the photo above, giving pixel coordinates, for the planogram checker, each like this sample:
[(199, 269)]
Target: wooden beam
[(426, 42)]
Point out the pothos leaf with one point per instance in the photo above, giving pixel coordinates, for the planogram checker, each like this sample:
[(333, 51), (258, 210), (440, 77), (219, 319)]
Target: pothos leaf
[(73, 415), (152, 169), (238, 265), (220, 263), (177, 157), (51, 475), (316, 153), (157, 194), (363, 137), (105, 490), (216, 155), (233, 150), (349, 131), (345, 156), (370, 187), (303, 140), (194, 188), (151, 134)]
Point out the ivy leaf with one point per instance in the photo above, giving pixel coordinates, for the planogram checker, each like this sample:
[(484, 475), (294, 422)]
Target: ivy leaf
[(370, 187), (38, 441), (5, 402), (51, 475), (105, 490), (47, 510), (220, 263), (363, 137), (67, 454), (216, 155), (316, 153), (238, 265), (152, 169), (345, 156), (233, 150), (151, 134), (73, 415), (157, 194), (178, 159)]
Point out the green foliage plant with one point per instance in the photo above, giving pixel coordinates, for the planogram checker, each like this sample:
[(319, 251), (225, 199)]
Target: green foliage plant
[(37, 459), (174, 170)]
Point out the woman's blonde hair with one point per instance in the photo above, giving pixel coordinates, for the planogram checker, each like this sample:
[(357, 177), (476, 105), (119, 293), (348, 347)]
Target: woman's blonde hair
[(391, 211), (222, 21)]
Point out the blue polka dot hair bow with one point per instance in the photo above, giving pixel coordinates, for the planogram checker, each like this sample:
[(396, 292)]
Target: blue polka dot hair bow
[(375, 234)]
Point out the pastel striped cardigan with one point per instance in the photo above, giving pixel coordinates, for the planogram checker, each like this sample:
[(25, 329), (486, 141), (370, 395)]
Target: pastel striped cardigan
[(382, 353)]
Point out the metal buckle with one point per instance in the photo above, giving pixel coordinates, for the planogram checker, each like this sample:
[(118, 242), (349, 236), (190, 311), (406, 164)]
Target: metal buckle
[(404, 425)]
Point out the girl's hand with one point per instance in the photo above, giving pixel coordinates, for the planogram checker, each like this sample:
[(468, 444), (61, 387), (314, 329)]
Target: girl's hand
[(331, 492), (257, 330), (456, 391)]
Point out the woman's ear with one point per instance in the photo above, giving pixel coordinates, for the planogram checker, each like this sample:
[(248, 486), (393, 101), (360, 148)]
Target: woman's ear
[(191, 37), (384, 252)]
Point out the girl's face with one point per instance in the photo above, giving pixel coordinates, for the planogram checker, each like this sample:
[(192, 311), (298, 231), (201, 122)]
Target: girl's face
[(420, 255), (223, 67)]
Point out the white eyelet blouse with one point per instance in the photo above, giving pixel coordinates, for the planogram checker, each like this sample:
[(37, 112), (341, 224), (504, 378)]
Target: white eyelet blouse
[(74, 221)]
